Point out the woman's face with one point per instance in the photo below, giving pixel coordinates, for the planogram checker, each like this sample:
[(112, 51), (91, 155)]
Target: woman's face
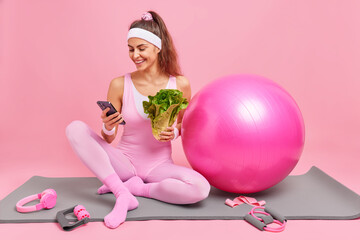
[(142, 53)]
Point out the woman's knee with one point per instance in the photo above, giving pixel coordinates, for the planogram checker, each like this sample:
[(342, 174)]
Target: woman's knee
[(204, 188), (75, 130), (200, 188)]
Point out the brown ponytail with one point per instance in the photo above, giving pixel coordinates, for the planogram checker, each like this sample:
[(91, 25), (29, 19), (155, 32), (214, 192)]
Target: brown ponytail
[(168, 58)]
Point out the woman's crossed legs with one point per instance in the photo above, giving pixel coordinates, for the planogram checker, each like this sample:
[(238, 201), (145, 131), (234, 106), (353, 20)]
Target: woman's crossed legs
[(166, 182)]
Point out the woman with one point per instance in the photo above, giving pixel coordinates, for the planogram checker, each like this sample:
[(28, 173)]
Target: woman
[(140, 165)]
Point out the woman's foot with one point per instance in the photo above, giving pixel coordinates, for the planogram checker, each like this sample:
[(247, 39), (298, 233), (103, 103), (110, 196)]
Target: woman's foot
[(103, 189), (124, 203)]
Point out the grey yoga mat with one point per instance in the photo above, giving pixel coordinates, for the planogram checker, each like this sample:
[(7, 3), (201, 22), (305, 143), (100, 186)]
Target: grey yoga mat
[(314, 195)]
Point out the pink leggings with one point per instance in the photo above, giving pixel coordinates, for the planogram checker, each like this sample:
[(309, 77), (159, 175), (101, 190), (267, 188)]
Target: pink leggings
[(169, 182)]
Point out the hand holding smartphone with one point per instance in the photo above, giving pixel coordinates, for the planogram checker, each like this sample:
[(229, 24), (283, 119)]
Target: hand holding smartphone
[(106, 104)]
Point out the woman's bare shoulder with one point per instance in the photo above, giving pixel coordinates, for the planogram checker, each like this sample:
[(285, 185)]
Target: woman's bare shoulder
[(118, 82), (182, 82), (116, 89)]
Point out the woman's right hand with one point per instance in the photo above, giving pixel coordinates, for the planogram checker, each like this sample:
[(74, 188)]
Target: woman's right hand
[(112, 120)]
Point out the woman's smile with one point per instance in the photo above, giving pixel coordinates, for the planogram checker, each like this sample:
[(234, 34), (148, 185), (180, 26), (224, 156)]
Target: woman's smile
[(139, 62)]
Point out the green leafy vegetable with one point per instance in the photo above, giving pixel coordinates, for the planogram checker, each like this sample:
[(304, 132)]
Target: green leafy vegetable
[(163, 109)]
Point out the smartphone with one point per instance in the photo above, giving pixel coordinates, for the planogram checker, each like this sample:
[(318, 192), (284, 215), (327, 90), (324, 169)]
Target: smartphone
[(106, 104)]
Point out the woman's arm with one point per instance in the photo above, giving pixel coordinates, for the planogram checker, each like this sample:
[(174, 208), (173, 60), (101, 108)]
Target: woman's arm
[(183, 85), (115, 94)]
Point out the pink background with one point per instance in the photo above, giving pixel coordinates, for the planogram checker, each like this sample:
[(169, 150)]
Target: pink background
[(58, 57)]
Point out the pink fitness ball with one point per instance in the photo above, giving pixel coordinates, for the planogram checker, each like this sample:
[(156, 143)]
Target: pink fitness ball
[(243, 133)]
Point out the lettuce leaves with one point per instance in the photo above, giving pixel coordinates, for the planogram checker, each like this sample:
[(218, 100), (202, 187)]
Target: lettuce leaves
[(163, 109)]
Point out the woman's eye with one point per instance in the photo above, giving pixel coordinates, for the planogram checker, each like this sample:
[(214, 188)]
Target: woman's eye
[(143, 49)]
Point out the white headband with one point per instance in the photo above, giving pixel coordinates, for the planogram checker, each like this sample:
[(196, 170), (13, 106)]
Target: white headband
[(146, 35)]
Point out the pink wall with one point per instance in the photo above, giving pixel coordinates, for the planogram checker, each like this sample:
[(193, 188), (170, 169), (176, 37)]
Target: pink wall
[(58, 57)]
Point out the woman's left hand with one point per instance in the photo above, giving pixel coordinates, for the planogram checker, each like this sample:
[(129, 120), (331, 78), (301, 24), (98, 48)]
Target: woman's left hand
[(167, 135)]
